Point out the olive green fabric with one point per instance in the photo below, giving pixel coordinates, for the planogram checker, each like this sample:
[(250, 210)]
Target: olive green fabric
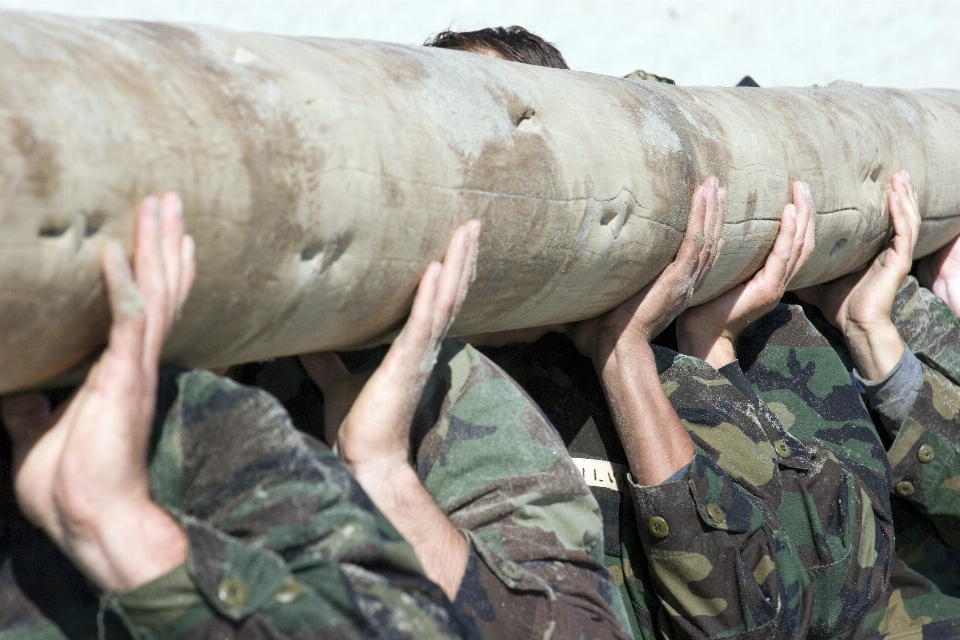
[(502, 475), (282, 540), (786, 502)]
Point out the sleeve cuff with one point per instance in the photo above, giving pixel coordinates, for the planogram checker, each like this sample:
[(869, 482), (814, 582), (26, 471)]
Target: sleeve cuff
[(893, 395), (161, 601)]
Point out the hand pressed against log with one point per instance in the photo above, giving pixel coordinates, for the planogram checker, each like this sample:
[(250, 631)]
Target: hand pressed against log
[(860, 304), (81, 472), (940, 273), (709, 331), (374, 436), (655, 441)]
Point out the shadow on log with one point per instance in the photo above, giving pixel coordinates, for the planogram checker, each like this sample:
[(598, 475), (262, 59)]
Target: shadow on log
[(320, 176)]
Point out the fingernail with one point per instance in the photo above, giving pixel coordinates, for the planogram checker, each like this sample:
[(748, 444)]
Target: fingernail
[(906, 174), (805, 188), (178, 205), (792, 210)]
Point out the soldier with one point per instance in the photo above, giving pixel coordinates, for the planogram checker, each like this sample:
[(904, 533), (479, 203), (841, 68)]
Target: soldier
[(209, 515), (667, 598), (507, 43), (481, 484), (901, 343)]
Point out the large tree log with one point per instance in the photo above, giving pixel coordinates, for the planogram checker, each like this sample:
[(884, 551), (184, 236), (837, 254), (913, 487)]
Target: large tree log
[(319, 177)]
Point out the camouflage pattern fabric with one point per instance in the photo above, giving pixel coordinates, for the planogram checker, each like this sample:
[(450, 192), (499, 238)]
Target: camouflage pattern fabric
[(499, 471), (925, 453), (799, 482), (282, 541)]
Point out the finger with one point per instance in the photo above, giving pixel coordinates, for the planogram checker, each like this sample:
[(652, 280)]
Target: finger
[(810, 239), (150, 277), (703, 201), (453, 272), (804, 218), (714, 241), (127, 331), (171, 240), (188, 272), (904, 179), (777, 267), (419, 326), (469, 272), (905, 228)]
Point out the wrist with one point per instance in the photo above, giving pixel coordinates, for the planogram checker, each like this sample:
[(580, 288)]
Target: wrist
[(716, 349), (876, 348), (130, 545)]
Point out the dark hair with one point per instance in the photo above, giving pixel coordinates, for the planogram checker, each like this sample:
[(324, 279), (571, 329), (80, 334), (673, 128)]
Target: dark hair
[(511, 43)]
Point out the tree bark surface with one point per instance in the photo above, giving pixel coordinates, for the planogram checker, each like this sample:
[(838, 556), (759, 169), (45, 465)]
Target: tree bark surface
[(320, 176)]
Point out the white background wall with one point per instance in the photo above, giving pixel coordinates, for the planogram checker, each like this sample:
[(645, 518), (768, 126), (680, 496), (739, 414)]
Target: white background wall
[(906, 43)]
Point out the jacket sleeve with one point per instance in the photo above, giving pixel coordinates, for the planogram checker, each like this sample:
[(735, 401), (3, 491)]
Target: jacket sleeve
[(928, 327), (282, 541), (502, 475), (713, 556), (925, 455)]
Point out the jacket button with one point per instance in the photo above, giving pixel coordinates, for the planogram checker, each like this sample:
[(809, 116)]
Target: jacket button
[(925, 453), (904, 488), (716, 513), (232, 593), (289, 592), (658, 527), (782, 449)]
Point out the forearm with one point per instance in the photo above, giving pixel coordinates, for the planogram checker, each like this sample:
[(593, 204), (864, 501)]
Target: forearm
[(439, 545), (655, 441)]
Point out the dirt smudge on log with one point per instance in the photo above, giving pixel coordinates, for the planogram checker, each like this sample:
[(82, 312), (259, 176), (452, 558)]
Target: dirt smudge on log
[(249, 102), (517, 171), (40, 160)]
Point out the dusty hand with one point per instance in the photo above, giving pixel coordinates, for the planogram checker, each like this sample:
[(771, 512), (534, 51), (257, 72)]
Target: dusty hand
[(940, 273), (80, 473), (860, 304), (648, 312), (709, 331), (379, 412), (374, 437)]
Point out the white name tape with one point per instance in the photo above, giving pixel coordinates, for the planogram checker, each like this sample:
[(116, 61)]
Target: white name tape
[(600, 473)]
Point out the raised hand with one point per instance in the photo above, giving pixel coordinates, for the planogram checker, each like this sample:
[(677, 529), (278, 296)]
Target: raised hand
[(655, 441), (709, 331), (860, 304), (649, 311), (940, 273), (80, 473), (374, 436)]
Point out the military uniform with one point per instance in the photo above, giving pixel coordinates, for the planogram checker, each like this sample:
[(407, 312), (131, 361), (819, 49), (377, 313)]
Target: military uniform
[(282, 540), (502, 476), (921, 423), (781, 526)]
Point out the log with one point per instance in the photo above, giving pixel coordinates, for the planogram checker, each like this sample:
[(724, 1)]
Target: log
[(320, 176)]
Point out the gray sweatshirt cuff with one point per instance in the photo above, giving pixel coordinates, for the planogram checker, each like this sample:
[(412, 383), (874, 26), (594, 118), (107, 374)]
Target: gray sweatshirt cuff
[(893, 395)]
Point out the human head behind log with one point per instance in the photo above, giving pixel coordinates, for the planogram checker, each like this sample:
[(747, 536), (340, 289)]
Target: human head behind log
[(515, 44)]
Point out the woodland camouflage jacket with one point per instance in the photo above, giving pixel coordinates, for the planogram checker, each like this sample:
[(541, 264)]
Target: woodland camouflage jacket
[(283, 543)]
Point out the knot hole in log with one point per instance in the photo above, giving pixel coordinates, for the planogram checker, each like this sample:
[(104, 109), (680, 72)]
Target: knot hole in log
[(616, 212), (320, 254), (527, 121)]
